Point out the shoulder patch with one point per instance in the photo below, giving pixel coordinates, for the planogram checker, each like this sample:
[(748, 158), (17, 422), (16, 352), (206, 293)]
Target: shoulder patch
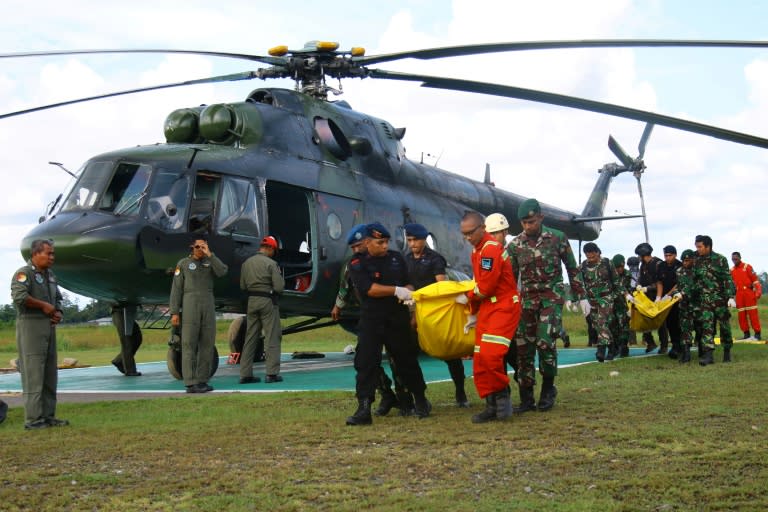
[(177, 271), (486, 263), (21, 277)]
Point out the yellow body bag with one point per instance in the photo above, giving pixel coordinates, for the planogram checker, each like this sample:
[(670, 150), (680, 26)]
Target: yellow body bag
[(647, 315), (440, 320)]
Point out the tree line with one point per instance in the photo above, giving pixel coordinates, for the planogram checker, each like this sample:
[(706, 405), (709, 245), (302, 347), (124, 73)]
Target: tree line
[(72, 312)]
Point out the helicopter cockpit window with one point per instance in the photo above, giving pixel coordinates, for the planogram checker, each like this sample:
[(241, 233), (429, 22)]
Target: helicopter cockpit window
[(126, 190), (90, 184), (237, 209), (167, 204), (330, 136)]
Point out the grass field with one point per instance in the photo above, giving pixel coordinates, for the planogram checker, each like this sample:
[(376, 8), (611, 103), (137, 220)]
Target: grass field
[(657, 436)]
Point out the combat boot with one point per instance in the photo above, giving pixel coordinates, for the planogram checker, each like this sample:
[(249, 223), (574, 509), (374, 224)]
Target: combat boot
[(527, 402), (685, 355), (613, 351), (746, 337), (503, 404), (726, 354), (674, 351), (707, 357), (650, 347), (362, 415), (548, 394), (600, 354), (422, 407), (405, 401), (489, 413), (624, 351), (758, 336), (388, 401), (461, 398)]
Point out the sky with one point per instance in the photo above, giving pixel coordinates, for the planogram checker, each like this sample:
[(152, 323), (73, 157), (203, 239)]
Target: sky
[(692, 185)]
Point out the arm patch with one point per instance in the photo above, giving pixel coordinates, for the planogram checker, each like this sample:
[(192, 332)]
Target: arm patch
[(486, 263)]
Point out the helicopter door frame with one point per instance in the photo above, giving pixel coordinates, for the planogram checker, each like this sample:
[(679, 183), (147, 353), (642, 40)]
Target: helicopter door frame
[(289, 214)]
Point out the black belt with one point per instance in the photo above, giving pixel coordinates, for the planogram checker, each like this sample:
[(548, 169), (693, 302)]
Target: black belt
[(268, 295)]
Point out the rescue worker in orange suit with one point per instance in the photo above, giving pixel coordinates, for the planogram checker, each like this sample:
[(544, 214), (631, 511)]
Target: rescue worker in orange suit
[(748, 291), (495, 304)]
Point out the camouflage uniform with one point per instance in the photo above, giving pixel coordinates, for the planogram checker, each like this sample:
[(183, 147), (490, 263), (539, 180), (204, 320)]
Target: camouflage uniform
[(713, 276), (601, 285), (690, 306), (620, 321), (538, 263)]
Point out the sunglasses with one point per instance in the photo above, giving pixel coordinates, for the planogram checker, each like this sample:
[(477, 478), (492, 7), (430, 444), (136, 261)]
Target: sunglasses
[(198, 246)]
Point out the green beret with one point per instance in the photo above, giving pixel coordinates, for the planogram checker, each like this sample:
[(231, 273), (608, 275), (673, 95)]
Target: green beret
[(687, 254), (618, 260), (528, 208)]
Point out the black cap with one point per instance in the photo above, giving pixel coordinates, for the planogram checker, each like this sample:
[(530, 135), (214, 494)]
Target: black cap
[(632, 261), (591, 247), (644, 249), (670, 249)]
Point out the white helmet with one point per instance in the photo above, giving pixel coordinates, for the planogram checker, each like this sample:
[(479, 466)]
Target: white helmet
[(496, 222)]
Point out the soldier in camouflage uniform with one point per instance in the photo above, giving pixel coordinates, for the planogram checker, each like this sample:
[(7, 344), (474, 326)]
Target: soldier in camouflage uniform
[(620, 324), (713, 278), (601, 285), (690, 308), (537, 255)]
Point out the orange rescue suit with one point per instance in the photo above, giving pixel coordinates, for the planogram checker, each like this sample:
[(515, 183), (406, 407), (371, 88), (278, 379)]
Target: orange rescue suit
[(748, 290), (496, 302)]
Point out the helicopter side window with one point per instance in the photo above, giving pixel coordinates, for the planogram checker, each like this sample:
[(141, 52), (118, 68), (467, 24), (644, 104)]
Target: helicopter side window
[(92, 181), (203, 203), (168, 200), (237, 208)]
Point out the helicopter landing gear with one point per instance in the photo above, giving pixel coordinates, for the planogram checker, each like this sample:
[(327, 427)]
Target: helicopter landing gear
[(173, 358)]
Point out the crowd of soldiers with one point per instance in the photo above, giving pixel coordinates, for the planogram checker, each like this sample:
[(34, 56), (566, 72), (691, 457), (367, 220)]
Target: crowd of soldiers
[(699, 286)]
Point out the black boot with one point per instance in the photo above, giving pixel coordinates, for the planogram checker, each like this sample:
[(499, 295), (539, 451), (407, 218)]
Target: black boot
[(503, 404), (489, 413), (613, 351), (758, 335), (405, 401), (673, 353), (461, 398), (566, 340), (548, 394), (600, 354), (362, 415), (527, 402), (685, 355), (746, 337), (624, 351), (422, 406), (726, 354), (388, 401), (707, 357)]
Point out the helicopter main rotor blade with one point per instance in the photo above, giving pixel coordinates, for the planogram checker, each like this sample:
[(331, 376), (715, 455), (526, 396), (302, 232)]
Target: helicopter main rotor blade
[(244, 56), (573, 102), (617, 150), (644, 140), (475, 49), (248, 75)]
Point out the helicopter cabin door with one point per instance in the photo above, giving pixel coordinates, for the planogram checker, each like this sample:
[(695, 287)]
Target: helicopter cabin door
[(290, 214)]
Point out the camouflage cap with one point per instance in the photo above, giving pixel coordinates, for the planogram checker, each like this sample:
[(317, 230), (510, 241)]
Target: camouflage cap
[(528, 208), (618, 260), (688, 253)]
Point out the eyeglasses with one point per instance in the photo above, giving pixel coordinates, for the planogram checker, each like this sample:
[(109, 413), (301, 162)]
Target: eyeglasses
[(467, 234)]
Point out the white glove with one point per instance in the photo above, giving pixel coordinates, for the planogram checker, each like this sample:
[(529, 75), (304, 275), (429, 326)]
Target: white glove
[(570, 306), (666, 298), (403, 293), (585, 307), (641, 288), (658, 299), (462, 298), (471, 321), (410, 303), (629, 313), (731, 303), (629, 298), (677, 295)]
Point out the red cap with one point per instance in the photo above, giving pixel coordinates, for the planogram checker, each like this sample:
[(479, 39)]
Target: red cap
[(269, 241)]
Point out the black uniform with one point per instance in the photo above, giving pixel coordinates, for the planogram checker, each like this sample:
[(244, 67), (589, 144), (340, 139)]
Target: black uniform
[(384, 322), (422, 272), (649, 276), (667, 274)]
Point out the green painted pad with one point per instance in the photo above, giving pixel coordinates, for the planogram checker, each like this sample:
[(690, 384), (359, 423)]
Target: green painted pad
[(334, 371)]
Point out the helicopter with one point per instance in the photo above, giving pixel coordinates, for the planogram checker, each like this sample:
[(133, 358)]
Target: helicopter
[(302, 168)]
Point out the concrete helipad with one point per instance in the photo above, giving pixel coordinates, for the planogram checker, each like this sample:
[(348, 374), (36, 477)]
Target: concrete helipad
[(335, 371)]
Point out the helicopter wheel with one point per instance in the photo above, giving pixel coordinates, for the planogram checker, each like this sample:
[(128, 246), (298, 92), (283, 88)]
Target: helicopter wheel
[(236, 338), (173, 360)]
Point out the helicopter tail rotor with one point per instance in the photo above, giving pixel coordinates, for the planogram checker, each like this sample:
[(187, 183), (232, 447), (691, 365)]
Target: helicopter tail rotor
[(634, 165)]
